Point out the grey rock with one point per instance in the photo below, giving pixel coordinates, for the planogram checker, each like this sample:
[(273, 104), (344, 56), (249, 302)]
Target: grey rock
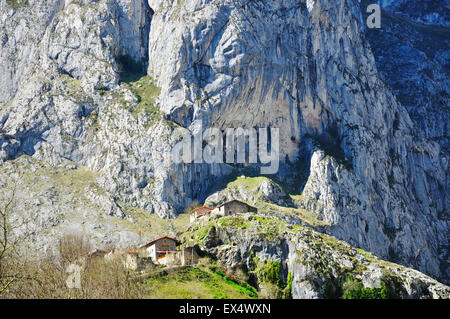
[(374, 172)]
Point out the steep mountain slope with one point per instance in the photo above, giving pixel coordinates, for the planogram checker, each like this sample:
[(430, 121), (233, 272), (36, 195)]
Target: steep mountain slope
[(305, 263), (435, 12), (414, 60), (78, 94)]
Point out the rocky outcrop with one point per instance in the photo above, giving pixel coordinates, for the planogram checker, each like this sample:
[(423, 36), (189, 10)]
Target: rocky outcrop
[(310, 264), (252, 190)]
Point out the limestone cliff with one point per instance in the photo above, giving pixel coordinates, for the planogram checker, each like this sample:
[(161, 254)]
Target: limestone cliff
[(108, 86)]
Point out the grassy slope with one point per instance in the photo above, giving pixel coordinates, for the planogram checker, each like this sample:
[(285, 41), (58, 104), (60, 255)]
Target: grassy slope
[(251, 184), (200, 282)]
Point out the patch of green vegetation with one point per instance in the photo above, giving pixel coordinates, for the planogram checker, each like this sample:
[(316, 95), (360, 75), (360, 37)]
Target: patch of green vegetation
[(143, 87), (330, 290), (271, 228), (287, 292), (197, 233), (298, 197), (306, 216), (199, 282), (268, 273), (15, 4), (249, 183), (234, 176), (365, 253), (243, 287), (354, 289), (75, 179), (150, 225), (349, 287), (146, 92), (233, 222), (68, 87), (383, 263)]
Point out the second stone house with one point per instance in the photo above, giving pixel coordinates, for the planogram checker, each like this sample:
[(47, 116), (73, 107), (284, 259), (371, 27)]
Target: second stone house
[(233, 207)]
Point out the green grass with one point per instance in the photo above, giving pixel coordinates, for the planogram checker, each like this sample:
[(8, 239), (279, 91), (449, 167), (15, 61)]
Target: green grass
[(250, 183), (306, 216), (200, 282), (233, 222), (151, 225), (242, 287), (15, 4), (146, 92), (354, 289), (75, 180)]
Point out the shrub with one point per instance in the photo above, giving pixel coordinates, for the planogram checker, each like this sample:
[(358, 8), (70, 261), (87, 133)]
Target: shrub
[(354, 289)]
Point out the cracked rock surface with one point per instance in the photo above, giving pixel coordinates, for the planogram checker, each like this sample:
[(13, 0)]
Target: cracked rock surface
[(109, 86)]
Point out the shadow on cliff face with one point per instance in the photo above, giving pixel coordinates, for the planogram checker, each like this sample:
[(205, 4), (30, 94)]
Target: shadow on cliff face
[(413, 58), (293, 173), (130, 70)]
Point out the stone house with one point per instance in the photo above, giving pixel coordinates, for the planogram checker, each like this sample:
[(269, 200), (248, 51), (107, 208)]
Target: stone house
[(159, 248), (164, 251), (233, 207)]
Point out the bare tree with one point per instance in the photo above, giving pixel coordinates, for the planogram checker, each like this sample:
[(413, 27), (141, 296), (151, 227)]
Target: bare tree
[(11, 266)]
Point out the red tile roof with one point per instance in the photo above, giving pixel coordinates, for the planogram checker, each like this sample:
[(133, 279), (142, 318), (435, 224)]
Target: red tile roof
[(202, 211), (168, 251)]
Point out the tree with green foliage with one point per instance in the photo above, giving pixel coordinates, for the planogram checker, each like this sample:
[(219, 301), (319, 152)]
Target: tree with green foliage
[(354, 289)]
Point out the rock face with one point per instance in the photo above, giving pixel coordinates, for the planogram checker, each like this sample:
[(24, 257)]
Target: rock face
[(75, 92), (22, 30), (251, 190), (71, 107), (435, 12), (315, 264), (413, 58)]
